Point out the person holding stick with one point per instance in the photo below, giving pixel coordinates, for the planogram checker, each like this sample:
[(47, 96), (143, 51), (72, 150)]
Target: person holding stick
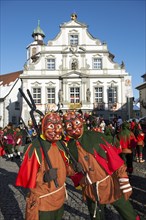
[(47, 184), (104, 179)]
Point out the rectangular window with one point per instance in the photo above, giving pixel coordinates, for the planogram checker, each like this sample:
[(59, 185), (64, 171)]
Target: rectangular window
[(99, 98), (51, 95), (97, 63), (99, 94), (74, 40), (75, 95), (112, 95), (37, 95), (112, 98), (51, 64)]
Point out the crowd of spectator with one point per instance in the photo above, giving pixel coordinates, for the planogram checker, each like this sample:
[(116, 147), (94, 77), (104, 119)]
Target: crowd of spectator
[(126, 136), (115, 138)]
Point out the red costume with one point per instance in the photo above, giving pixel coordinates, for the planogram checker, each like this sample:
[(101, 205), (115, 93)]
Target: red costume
[(47, 185)]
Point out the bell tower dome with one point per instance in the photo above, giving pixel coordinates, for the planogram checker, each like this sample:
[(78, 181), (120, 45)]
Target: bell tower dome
[(38, 34)]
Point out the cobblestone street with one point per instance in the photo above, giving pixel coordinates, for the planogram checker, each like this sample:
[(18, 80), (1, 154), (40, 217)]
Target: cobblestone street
[(12, 199)]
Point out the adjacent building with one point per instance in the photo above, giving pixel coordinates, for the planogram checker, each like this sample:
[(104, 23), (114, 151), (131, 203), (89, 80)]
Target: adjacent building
[(142, 96), (10, 99)]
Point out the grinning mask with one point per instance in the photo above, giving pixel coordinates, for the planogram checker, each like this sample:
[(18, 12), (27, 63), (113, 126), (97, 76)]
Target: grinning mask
[(73, 123), (52, 127)]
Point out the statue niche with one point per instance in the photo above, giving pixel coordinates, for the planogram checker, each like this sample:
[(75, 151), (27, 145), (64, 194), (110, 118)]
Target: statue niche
[(88, 95), (60, 96), (74, 64)]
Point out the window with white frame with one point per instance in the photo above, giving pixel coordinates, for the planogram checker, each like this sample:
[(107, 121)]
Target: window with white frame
[(97, 63), (36, 92), (51, 64), (73, 40), (74, 94), (51, 95), (112, 95), (98, 94)]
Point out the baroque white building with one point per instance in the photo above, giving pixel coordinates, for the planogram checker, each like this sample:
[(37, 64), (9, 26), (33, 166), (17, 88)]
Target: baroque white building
[(75, 71)]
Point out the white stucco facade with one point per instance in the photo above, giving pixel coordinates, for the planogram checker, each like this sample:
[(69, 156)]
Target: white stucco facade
[(10, 103), (72, 63)]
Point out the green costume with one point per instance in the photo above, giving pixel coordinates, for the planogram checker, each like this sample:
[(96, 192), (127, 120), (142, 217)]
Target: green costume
[(92, 142)]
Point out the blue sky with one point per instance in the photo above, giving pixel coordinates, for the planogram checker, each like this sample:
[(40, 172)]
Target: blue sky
[(120, 23)]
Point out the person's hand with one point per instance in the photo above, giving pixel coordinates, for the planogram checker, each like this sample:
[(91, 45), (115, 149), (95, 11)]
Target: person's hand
[(77, 167), (50, 175)]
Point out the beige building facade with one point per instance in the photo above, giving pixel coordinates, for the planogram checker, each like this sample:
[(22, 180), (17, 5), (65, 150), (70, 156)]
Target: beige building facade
[(142, 96)]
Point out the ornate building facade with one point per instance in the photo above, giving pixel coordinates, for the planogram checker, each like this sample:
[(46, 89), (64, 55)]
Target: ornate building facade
[(75, 71)]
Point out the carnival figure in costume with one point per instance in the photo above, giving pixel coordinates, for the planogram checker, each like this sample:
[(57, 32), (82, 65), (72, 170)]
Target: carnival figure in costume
[(9, 141), (18, 141), (128, 144), (140, 142), (2, 151), (46, 199), (105, 180)]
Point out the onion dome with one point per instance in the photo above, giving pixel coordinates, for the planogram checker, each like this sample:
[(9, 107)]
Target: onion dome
[(38, 31)]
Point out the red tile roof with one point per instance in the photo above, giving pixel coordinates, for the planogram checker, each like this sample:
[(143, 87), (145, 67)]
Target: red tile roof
[(6, 79)]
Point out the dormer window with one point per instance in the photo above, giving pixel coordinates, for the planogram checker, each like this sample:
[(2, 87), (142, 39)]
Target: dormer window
[(74, 40), (97, 63), (51, 64)]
